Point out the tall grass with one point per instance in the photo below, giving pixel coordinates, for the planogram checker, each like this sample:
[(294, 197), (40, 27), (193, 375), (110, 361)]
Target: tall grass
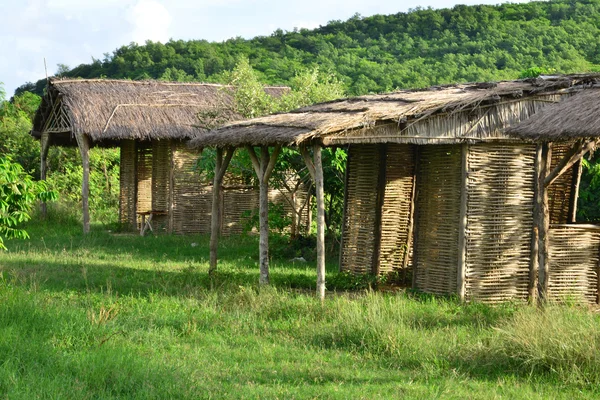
[(120, 316)]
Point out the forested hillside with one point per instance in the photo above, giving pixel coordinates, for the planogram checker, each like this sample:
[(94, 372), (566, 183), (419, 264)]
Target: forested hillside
[(380, 53)]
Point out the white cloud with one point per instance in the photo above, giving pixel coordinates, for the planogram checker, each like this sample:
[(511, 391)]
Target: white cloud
[(150, 20)]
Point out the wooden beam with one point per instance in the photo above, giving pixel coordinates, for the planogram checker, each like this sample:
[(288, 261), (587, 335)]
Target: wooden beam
[(462, 224), (221, 164), (544, 224), (574, 155), (83, 143), (45, 146), (318, 166), (272, 160), (308, 161), (254, 160)]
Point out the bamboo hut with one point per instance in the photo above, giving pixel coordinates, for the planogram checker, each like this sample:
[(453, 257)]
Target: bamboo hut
[(437, 191), (151, 122)]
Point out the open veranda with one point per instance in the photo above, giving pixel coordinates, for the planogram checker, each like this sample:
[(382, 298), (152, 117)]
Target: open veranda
[(112, 315)]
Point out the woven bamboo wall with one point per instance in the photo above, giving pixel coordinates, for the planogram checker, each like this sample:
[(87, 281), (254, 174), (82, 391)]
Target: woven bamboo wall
[(144, 177), (573, 270), (361, 208), (438, 207), (127, 193), (396, 209), (161, 182), (236, 202), (500, 201), (192, 197), (559, 193)]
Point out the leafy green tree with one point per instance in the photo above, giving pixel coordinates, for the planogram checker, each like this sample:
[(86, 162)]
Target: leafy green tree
[(250, 100), (18, 192)]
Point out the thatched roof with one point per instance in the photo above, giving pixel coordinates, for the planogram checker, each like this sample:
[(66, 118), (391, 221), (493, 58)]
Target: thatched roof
[(110, 110), (575, 116), (335, 122)]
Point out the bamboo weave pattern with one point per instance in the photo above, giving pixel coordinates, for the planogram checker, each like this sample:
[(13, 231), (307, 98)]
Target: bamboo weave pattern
[(438, 208), (573, 270), (127, 195), (144, 177), (559, 193), (361, 209), (396, 210), (500, 188)]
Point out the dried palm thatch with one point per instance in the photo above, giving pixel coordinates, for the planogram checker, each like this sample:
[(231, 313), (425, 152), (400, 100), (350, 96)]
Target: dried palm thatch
[(111, 110), (352, 120), (575, 116)]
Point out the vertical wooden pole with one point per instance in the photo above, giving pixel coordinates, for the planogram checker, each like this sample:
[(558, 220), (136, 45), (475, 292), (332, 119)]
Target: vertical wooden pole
[(344, 211), (215, 229), (544, 225), (221, 164), (462, 224), (171, 185), (537, 204), (318, 166), (315, 167), (577, 171), (84, 148), (263, 204), (263, 168), (598, 279), (411, 222), (45, 143), (415, 223), (309, 214), (381, 182)]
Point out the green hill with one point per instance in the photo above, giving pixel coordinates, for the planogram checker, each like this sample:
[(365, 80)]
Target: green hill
[(380, 53)]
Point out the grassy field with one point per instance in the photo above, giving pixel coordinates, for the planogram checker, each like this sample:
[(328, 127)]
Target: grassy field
[(119, 316)]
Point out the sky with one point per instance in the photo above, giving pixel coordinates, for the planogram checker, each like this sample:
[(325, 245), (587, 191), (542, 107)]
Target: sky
[(72, 32)]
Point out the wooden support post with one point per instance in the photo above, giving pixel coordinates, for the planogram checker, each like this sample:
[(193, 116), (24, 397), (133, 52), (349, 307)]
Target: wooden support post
[(411, 222), (344, 211), (171, 217), (598, 279), (84, 148), (537, 202), (381, 183), (578, 170), (221, 165), (462, 224), (308, 213), (45, 143), (318, 166), (543, 224), (315, 168), (263, 168), (415, 222)]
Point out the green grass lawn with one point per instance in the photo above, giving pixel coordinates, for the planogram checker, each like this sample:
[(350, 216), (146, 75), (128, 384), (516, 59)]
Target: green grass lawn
[(121, 316)]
